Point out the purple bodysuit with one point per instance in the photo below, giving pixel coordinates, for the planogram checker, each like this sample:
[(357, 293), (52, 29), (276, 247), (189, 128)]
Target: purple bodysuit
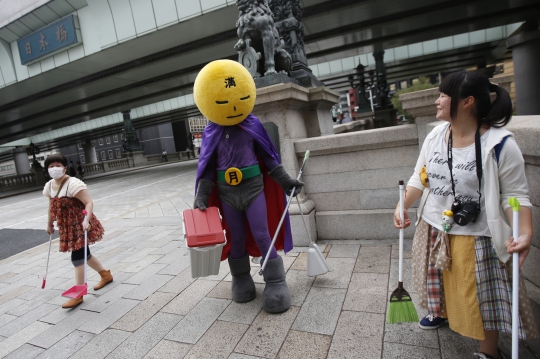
[(236, 148)]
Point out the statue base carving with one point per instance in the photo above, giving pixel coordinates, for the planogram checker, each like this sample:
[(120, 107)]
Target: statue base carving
[(274, 80), (306, 78), (385, 118)]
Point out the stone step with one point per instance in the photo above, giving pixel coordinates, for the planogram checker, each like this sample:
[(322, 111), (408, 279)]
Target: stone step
[(360, 224)]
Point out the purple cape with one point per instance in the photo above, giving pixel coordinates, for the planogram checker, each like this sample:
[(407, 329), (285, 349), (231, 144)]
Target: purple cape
[(253, 126)]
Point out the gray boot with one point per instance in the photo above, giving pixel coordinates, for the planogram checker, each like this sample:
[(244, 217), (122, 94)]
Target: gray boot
[(242, 287), (276, 295)]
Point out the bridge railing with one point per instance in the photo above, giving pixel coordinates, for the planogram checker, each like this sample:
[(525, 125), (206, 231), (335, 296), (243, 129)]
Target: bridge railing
[(93, 168), (171, 157), (115, 165), (16, 182), (11, 183)]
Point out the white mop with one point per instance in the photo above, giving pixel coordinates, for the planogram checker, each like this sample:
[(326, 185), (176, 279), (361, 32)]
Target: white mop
[(306, 156), (316, 263), (514, 203)]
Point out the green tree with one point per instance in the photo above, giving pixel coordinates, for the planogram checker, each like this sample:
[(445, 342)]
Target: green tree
[(422, 84)]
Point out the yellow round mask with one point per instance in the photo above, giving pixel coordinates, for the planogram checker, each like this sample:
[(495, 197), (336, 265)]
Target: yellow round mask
[(224, 92)]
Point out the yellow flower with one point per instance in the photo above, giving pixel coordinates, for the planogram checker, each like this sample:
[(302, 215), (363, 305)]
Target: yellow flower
[(424, 177)]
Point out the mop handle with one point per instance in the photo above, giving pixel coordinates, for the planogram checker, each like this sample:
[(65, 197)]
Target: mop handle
[(299, 206), (85, 242), (304, 221), (514, 203), (401, 230), (47, 268), (306, 156)]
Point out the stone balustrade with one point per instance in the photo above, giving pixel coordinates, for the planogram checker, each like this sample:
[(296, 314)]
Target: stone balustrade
[(115, 165), (16, 182), (421, 104), (352, 126), (105, 166), (93, 168), (157, 158), (526, 130), (353, 180), (11, 183), (171, 157)]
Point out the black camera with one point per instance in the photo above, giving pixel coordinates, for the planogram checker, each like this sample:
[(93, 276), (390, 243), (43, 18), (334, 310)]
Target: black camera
[(465, 212)]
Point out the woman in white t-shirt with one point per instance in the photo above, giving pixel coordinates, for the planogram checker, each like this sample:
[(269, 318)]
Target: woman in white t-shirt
[(470, 166), (68, 197)]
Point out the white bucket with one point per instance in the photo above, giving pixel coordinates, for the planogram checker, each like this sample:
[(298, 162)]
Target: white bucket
[(204, 261)]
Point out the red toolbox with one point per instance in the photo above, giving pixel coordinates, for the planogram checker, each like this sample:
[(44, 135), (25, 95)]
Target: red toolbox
[(205, 239)]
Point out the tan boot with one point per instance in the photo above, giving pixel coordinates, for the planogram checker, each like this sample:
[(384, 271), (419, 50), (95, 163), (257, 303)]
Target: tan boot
[(106, 278), (72, 303)]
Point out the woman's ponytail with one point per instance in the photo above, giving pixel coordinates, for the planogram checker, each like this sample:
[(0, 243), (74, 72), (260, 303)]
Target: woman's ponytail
[(500, 111)]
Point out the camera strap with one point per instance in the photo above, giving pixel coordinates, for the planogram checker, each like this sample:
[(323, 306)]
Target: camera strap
[(478, 150)]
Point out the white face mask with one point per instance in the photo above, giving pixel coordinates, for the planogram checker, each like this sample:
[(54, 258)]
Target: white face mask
[(56, 172)]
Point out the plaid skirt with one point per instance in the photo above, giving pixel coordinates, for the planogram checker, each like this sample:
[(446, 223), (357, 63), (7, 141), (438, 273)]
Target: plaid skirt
[(493, 286)]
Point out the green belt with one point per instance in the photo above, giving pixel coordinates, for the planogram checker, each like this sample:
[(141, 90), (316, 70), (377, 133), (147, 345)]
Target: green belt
[(247, 172)]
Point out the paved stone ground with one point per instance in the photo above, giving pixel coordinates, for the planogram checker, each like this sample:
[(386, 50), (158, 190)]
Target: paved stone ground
[(154, 309)]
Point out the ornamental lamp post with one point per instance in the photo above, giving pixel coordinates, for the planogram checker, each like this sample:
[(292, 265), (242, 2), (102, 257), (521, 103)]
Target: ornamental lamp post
[(33, 150), (362, 101)]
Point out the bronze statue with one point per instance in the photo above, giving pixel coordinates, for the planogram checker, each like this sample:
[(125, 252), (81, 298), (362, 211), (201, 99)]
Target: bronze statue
[(260, 48)]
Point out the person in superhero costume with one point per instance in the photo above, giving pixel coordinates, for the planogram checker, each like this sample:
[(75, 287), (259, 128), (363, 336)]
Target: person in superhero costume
[(239, 171)]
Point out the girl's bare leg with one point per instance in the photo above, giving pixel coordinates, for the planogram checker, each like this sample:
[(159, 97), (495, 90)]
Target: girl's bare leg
[(490, 344)]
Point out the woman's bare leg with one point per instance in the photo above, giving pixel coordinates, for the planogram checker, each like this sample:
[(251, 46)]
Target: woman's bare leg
[(79, 275), (95, 264), (490, 344)]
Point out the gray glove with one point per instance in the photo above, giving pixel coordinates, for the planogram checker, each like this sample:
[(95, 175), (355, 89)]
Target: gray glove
[(203, 193), (286, 182)]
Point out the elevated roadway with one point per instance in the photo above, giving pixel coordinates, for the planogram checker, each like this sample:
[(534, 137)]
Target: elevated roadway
[(128, 62)]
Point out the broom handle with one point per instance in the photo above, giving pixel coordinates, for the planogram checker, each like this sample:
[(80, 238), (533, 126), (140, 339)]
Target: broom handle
[(277, 231), (48, 256), (515, 281), (306, 156), (304, 221), (401, 230), (85, 244)]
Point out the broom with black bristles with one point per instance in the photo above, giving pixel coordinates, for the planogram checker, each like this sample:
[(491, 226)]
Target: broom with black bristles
[(401, 308)]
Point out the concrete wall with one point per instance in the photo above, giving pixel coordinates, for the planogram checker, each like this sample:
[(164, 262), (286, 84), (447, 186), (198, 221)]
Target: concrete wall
[(527, 132), (353, 180)]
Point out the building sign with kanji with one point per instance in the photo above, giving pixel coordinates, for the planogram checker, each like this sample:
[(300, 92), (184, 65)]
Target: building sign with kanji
[(49, 40)]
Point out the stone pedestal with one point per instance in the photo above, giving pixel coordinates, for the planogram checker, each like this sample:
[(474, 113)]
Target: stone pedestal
[(299, 113), (301, 238), (136, 158), (89, 152), (20, 157), (526, 52), (365, 116), (384, 118), (275, 79), (306, 78), (421, 104)]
